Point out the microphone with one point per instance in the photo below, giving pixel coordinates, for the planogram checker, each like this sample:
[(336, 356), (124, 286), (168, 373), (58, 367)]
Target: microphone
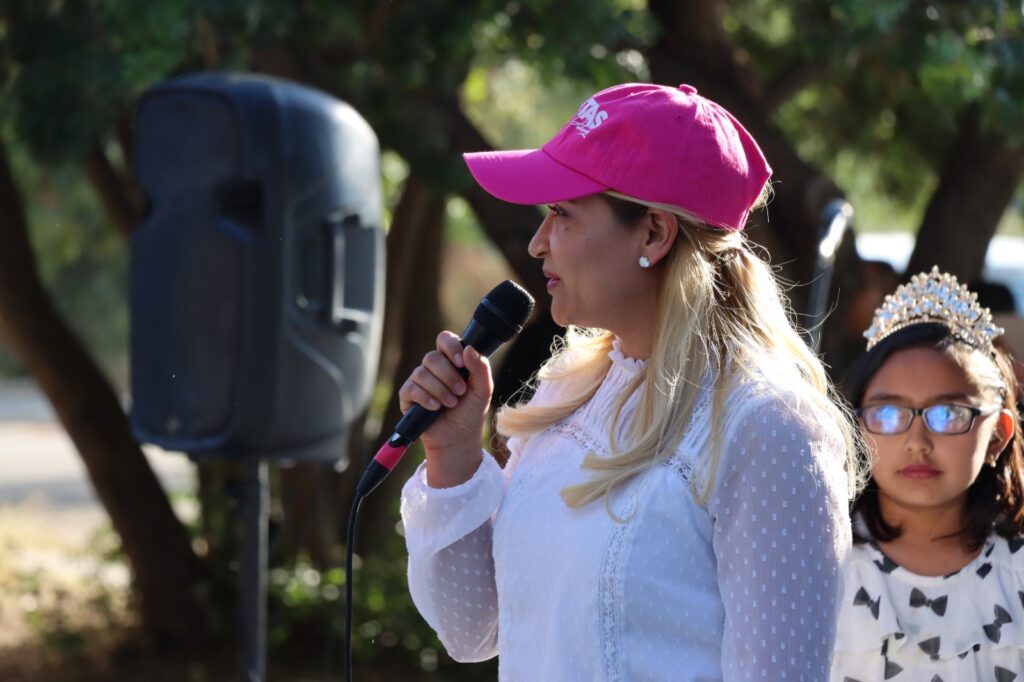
[(499, 316)]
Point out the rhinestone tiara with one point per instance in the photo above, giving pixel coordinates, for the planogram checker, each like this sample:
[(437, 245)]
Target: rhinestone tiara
[(935, 297)]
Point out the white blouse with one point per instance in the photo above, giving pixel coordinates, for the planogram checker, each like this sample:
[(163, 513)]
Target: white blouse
[(964, 627), (742, 588)]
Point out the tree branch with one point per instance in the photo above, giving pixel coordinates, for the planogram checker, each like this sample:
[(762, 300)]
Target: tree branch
[(509, 226), (978, 179), (791, 81), (116, 194), (804, 73), (693, 48)]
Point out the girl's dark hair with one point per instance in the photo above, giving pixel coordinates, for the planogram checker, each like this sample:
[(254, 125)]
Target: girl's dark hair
[(995, 501)]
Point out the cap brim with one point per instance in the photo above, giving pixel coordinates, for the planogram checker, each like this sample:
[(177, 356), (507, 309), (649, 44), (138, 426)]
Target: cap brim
[(528, 176)]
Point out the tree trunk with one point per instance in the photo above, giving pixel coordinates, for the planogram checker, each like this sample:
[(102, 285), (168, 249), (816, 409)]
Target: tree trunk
[(311, 511), (978, 179), (169, 579), (693, 48), (509, 226), (119, 197), (413, 320)]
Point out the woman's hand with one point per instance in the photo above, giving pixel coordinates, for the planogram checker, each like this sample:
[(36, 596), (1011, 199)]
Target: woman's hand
[(453, 441)]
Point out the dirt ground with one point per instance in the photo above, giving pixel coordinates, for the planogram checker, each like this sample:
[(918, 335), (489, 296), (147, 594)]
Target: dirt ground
[(63, 597), (64, 613)]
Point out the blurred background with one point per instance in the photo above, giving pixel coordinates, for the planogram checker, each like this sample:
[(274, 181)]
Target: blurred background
[(913, 112)]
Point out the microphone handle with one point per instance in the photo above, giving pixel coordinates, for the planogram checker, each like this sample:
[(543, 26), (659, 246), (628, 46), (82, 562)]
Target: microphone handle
[(418, 419)]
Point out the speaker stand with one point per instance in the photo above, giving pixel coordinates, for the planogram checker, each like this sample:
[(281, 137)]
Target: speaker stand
[(254, 503)]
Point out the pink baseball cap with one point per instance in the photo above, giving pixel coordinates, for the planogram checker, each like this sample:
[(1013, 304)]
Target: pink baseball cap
[(652, 142)]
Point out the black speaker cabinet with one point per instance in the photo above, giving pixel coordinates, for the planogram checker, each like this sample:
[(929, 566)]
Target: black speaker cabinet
[(257, 273)]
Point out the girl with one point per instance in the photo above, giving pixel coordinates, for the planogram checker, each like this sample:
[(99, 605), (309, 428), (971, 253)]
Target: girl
[(935, 582), (674, 507)]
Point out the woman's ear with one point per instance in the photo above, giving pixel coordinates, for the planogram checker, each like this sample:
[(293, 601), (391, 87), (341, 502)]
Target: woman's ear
[(661, 228), (1001, 434)]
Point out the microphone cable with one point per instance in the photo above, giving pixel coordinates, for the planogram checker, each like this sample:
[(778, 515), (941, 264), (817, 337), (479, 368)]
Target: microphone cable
[(350, 541), (499, 316)]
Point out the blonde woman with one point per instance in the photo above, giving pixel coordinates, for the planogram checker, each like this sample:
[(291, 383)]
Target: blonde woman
[(675, 503)]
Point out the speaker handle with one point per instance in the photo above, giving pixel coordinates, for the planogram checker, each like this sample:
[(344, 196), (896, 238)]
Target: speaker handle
[(344, 319)]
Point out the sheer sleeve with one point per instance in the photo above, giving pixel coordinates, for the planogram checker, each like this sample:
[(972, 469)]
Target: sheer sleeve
[(451, 564), (781, 533)]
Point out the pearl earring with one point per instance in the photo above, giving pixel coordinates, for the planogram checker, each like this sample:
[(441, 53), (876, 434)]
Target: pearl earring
[(645, 262)]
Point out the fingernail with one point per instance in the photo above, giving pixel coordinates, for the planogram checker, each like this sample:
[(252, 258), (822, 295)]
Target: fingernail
[(433, 404), (458, 360), (451, 401), (459, 387)]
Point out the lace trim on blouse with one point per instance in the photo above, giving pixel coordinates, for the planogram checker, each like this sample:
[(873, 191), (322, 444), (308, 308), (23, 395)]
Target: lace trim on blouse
[(681, 462), (611, 594)]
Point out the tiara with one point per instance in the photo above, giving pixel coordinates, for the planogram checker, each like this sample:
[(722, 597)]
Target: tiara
[(935, 297)]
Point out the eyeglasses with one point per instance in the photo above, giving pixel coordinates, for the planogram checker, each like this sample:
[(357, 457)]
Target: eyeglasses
[(945, 420)]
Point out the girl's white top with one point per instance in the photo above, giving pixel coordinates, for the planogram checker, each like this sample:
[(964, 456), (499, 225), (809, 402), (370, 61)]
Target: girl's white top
[(964, 627), (745, 587)]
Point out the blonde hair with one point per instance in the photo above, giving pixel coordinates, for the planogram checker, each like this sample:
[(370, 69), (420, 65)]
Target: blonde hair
[(720, 309)]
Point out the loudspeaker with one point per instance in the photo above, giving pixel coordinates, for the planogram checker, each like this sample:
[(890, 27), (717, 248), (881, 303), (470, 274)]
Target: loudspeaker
[(257, 273)]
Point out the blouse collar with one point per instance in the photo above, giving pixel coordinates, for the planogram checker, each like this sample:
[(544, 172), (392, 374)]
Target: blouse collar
[(630, 366)]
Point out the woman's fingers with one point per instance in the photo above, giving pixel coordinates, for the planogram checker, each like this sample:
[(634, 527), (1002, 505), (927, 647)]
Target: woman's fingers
[(435, 386), (444, 371), (450, 344), (438, 381), (412, 394)]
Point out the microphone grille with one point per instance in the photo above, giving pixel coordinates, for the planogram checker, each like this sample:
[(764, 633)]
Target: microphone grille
[(511, 301)]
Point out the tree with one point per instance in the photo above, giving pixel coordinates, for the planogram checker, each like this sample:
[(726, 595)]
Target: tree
[(71, 72), (172, 584), (909, 91), (919, 92)]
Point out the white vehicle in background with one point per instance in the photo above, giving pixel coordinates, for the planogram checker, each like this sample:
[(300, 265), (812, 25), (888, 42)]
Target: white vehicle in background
[(1004, 261)]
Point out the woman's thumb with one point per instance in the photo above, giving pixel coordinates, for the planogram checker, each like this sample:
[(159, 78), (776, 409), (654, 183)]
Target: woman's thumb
[(480, 382)]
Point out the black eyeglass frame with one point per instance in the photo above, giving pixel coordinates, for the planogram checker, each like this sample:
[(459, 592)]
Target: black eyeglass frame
[(919, 412)]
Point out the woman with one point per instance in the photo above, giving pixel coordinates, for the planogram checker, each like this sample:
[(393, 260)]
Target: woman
[(935, 582), (674, 506)]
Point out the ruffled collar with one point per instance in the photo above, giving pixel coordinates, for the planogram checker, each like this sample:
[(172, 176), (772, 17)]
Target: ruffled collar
[(881, 559), (980, 607), (626, 364), (872, 549)]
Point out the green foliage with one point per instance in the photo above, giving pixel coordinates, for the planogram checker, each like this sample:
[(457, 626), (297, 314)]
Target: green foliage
[(71, 66), (81, 260), (532, 115), (309, 603), (388, 59), (890, 83), (67, 610)]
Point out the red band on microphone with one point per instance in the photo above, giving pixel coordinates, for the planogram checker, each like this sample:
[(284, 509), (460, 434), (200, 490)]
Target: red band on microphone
[(389, 455)]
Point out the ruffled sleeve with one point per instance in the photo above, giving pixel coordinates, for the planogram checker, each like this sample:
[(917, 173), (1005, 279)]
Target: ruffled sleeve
[(434, 518), (451, 567), (449, 535)]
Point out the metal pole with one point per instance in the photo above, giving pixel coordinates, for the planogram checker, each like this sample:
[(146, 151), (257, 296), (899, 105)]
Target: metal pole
[(254, 503), (835, 219)]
